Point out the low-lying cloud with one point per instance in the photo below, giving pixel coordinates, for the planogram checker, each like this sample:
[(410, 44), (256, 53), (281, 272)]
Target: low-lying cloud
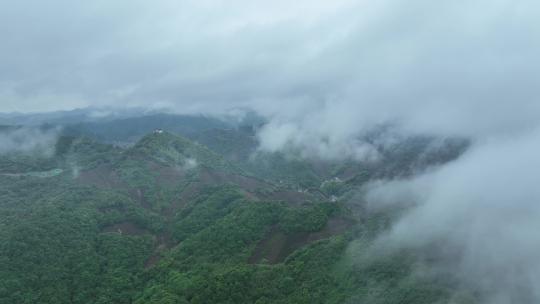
[(485, 208), (28, 140)]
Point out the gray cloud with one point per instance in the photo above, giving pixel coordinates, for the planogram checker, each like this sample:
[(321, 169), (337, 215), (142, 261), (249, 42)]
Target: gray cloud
[(164, 53), (455, 67), (28, 140), (485, 209)]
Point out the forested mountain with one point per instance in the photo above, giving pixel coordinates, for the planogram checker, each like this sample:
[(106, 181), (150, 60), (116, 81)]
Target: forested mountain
[(197, 214)]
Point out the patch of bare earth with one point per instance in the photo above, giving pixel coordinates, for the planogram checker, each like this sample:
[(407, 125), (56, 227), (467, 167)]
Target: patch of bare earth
[(251, 185), (247, 183), (101, 177), (105, 177), (289, 196), (277, 245), (188, 194), (164, 242), (168, 176)]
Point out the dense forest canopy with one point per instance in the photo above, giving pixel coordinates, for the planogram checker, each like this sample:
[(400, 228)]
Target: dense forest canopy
[(167, 219)]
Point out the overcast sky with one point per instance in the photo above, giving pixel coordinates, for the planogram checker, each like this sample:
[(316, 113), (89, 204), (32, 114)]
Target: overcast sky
[(456, 65), (322, 71)]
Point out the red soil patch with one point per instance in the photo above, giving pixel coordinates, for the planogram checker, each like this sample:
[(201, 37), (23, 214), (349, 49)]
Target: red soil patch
[(289, 196), (251, 185), (101, 177), (164, 242), (188, 194), (106, 178), (277, 245), (245, 182), (153, 260)]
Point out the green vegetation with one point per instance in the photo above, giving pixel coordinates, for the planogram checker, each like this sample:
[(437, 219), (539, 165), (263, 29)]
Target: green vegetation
[(307, 219), (170, 149), (138, 225)]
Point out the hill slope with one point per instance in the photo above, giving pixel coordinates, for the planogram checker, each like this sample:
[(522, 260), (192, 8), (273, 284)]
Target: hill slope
[(170, 221)]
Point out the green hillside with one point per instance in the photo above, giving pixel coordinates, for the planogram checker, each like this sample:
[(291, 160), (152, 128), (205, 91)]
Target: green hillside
[(168, 220)]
